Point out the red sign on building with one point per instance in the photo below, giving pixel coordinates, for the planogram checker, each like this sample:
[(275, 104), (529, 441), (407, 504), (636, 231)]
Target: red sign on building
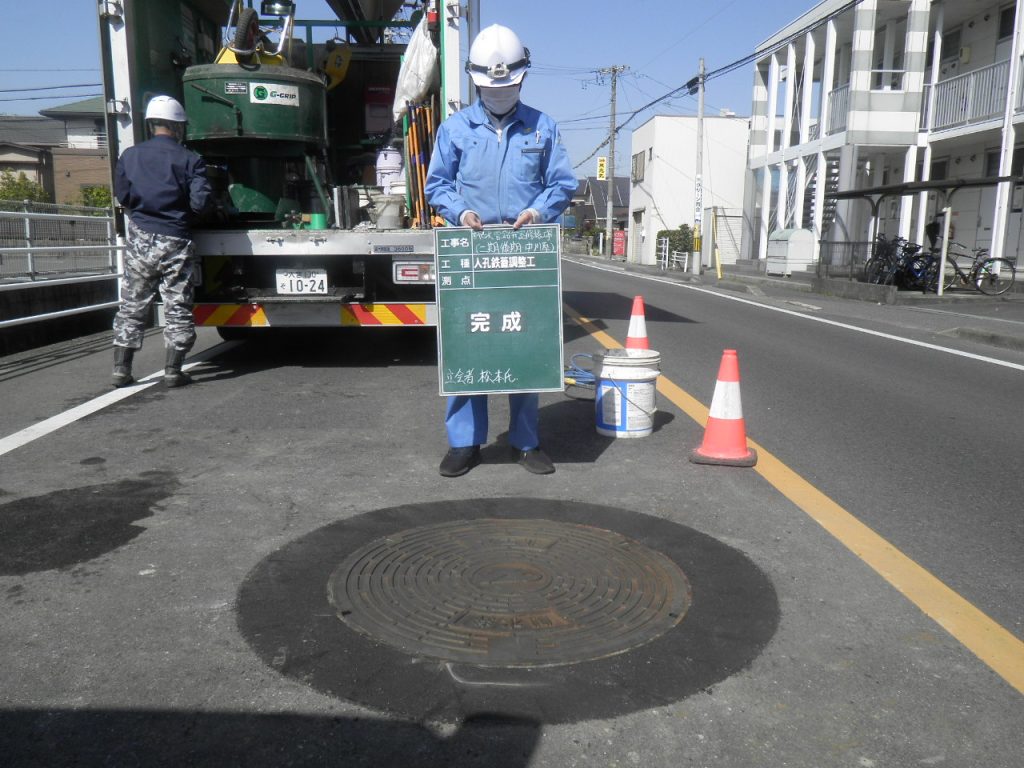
[(619, 242)]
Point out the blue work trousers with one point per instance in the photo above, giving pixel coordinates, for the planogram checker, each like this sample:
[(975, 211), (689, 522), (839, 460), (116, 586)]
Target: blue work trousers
[(466, 420)]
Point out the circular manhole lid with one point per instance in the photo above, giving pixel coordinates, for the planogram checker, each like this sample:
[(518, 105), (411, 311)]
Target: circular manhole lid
[(509, 593), (285, 610)]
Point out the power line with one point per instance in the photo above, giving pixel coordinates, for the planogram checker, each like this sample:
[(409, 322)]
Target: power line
[(50, 87), (51, 98), (731, 67)]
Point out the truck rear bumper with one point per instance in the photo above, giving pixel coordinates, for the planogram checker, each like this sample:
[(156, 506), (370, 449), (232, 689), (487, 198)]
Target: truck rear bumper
[(319, 314)]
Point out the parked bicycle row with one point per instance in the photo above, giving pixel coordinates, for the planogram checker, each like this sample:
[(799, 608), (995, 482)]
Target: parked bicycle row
[(908, 266)]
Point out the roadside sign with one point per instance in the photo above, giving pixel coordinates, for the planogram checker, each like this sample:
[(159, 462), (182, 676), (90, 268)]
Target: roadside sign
[(499, 310), (619, 242), (602, 169)]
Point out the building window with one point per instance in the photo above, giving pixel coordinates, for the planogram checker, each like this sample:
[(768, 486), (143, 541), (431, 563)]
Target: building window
[(1016, 165), (636, 174), (940, 169), (1006, 17), (890, 46)]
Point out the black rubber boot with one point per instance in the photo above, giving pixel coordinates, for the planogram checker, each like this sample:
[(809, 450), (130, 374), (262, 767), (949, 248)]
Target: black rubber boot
[(173, 375), (122, 374)]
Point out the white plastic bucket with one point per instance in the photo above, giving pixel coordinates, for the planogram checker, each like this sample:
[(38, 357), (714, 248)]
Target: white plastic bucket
[(624, 402), (389, 214), (389, 169)]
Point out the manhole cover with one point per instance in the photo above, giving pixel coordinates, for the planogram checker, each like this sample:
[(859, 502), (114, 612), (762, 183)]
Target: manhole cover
[(544, 609), (509, 593)]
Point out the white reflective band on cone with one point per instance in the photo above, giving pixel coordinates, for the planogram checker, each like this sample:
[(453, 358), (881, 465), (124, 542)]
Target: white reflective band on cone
[(726, 402)]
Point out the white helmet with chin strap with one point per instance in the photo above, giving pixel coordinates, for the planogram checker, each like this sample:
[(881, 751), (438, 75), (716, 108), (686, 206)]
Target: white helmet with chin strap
[(497, 58)]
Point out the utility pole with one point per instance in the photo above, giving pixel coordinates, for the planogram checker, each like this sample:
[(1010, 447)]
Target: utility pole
[(614, 72), (698, 192)]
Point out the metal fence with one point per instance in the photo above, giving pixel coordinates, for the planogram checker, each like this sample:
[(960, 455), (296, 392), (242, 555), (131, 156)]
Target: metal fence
[(840, 258), (579, 246), (47, 245)]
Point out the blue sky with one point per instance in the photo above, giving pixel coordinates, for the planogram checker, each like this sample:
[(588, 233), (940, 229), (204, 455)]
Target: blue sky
[(54, 43)]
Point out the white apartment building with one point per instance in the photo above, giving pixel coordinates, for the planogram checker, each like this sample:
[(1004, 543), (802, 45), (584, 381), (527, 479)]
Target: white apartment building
[(853, 95), (663, 175)]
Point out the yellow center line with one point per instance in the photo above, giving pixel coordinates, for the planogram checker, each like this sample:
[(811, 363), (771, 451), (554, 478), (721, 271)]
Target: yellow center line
[(996, 646)]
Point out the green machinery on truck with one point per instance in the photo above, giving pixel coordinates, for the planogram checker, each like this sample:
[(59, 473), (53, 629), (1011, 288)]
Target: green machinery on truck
[(295, 120)]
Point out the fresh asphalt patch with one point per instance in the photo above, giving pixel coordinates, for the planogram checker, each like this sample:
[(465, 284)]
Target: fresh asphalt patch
[(65, 528), (388, 609)]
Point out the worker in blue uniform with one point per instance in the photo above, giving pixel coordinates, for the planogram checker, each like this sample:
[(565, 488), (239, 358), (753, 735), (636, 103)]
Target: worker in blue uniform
[(163, 189), (497, 162)]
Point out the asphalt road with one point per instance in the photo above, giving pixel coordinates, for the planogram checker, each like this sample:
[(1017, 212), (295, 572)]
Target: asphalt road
[(165, 560)]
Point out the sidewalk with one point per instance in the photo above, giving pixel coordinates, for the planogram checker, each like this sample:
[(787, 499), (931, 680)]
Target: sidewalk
[(992, 320)]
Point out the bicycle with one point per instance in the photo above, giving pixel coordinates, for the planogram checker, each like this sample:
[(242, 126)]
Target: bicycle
[(883, 257), (896, 262), (987, 274)]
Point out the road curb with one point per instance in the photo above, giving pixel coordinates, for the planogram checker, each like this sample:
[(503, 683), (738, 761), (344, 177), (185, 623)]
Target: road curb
[(984, 336)]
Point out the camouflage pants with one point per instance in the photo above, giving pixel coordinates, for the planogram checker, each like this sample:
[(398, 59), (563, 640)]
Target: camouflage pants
[(155, 262)]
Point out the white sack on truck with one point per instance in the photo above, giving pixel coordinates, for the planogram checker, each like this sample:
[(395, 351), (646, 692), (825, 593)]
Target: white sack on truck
[(419, 71)]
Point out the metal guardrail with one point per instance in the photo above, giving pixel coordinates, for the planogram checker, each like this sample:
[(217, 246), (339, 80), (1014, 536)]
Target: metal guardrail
[(45, 245)]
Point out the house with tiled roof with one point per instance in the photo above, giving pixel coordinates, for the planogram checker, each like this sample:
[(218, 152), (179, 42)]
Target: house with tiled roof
[(25, 142), (82, 159), (63, 148), (590, 203)]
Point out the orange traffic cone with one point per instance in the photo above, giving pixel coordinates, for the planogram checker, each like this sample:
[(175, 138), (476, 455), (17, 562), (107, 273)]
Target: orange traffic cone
[(636, 337), (725, 437)]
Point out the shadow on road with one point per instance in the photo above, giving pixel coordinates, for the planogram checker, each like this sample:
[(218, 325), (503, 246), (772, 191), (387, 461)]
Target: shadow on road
[(266, 349), (119, 737), (616, 306)]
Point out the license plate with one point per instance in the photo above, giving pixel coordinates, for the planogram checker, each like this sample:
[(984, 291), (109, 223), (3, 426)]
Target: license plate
[(302, 281)]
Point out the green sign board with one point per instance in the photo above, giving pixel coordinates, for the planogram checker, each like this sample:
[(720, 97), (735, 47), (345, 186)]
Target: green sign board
[(499, 310)]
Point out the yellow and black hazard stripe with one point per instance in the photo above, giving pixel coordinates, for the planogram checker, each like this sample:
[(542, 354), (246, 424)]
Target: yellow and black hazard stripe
[(384, 314), (230, 315), (248, 315)]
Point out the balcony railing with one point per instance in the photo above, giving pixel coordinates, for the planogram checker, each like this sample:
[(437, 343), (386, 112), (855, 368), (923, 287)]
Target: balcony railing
[(838, 109), (971, 97)]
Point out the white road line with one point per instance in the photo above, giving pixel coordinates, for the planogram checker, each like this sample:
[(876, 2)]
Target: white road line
[(61, 420), (811, 318)]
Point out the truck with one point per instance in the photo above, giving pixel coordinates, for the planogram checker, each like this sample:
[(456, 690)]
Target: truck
[(316, 135)]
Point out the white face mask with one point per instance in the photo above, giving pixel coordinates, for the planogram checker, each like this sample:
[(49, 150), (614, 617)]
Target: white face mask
[(500, 101)]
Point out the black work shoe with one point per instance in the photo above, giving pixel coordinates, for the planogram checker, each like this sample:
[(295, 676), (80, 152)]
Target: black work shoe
[(458, 461), (536, 461)]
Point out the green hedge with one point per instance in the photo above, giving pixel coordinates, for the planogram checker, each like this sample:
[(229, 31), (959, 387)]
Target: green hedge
[(678, 239)]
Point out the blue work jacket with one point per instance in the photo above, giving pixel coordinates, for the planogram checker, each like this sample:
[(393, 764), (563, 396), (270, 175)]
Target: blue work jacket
[(162, 185), (499, 174)]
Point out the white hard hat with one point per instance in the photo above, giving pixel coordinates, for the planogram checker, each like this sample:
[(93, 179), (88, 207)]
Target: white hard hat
[(165, 108), (497, 58)]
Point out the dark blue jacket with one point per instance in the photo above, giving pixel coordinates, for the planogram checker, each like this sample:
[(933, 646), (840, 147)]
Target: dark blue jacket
[(162, 185)]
